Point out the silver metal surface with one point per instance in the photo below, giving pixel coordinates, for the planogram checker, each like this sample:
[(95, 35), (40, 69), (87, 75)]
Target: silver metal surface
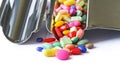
[(20, 18)]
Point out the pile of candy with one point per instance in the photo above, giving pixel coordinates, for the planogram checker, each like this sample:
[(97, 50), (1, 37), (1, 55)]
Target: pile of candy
[(68, 25), (69, 18), (64, 48)]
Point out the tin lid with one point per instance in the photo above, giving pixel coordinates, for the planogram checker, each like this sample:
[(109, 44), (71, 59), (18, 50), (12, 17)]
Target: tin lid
[(104, 14), (20, 18)]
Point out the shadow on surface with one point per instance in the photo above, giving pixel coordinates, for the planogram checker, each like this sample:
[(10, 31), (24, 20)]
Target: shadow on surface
[(95, 35)]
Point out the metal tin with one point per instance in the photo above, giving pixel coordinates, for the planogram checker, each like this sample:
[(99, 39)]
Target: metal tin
[(21, 18)]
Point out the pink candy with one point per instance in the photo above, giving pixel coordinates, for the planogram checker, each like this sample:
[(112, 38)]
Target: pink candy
[(62, 55), (74, 23)]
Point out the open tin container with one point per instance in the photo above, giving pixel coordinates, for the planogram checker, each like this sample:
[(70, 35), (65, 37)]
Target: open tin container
[(20, 18)]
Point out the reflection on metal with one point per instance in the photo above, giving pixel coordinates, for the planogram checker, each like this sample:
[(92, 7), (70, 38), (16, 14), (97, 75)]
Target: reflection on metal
[(20, 18)]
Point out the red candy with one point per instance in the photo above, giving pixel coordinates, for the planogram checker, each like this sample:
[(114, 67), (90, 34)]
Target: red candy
[(49, 40), (58, 32), (64, 27), (76, 51), (72, 34)]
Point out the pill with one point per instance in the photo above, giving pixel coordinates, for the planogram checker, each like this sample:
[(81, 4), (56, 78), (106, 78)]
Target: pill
[(65, 40), (59, 23), (70, 46), (76, 51), (80, 33), (50, 52), (64, 27), (47, 45), (39, 49), (62, 54), (39, 39), (58, 33), (49, 40), (66, 32), (73, 29), (56, 44), (83, 49), (76, 18), (74, 40), (83, 42), (89, 45), (72, 34)]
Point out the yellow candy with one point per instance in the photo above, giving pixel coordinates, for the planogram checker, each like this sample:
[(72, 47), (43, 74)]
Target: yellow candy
[(50, 52), (69, 2), (58, 17), (61, 1), (66, 15), (59, 23), (66, 32)]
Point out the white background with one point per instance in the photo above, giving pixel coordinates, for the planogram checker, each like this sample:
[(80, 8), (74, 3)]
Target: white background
[(23, 62)]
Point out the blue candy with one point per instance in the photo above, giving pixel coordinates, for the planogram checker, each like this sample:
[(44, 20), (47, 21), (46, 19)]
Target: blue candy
[(83, 49), (73, 7), (39, 39), (39, 49)]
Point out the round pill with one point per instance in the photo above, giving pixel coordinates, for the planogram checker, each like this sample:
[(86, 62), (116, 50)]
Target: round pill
[(62, 55), (89, 45), (83, 49), (39, 49), (39, 39)]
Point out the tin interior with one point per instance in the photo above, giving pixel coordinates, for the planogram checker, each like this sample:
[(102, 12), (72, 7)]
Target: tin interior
[(104, 14)]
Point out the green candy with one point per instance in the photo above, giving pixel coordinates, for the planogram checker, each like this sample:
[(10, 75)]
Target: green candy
[(84, 17), (57, 44), (74, 40), (47, 46), (82, 3), (65, 40), (83, 42), (76, 18), (79, 13)]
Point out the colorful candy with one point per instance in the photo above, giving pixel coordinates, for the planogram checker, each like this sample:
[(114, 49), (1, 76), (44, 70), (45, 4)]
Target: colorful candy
[(69, 16), (62, 54), (68, 25)]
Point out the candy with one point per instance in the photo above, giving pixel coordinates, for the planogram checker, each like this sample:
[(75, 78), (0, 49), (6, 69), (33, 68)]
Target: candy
[(79, 13), (39, 39), (76, 51), (62, 55), (76, 18), (73, 29), (59, 23), (89, 45), (82, 3), (74, 40), (70, 46), (83, 49), (64, 27), (66, 32), (80, 33), (56, 44), (72, 34), (49, 40), (39, 49), (65, 40), (50, 52), (47, 45), (58, 17), (58, 33), (83, 42), (69, 2), (61, 1)]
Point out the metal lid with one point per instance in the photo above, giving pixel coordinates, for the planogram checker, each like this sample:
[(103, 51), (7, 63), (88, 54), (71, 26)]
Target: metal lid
[(20, 18)]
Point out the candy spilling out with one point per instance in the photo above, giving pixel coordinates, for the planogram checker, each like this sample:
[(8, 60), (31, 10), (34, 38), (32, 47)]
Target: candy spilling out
[(64, 48), (68, 25)]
